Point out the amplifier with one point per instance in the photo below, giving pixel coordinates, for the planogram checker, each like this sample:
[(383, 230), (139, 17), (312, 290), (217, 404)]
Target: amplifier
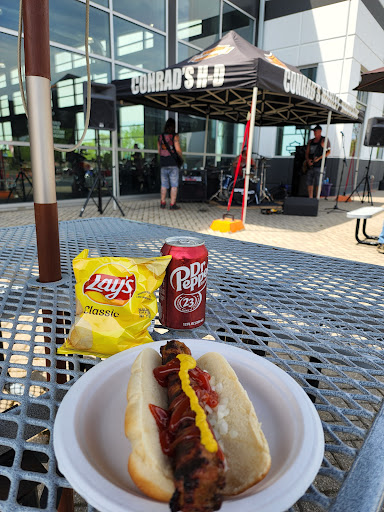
[(303, 206), (192, 186)]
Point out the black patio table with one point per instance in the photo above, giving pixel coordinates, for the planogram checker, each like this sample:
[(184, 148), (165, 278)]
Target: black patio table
[(319, 319)]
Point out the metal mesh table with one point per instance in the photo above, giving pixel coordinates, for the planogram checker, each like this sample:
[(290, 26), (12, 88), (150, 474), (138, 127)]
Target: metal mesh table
[(317, 318)]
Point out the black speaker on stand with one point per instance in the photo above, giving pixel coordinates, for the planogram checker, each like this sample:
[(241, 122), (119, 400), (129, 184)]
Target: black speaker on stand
[(102, 117), (103, 106), (374, 137)]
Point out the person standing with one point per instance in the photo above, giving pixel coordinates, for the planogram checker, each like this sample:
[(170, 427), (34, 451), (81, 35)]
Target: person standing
[(313, 157), (168, 146)]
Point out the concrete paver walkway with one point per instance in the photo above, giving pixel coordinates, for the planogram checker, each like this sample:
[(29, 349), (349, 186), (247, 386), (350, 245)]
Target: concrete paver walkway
[(329, 234)]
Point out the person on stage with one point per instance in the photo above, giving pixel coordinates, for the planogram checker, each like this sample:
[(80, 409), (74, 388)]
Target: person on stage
[(313, 157)]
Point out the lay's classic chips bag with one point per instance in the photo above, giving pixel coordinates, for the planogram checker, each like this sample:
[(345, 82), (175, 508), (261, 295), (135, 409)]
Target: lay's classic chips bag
[(115, 303)]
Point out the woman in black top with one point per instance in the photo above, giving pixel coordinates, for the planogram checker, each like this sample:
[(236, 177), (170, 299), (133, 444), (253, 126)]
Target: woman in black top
[(168, 144)]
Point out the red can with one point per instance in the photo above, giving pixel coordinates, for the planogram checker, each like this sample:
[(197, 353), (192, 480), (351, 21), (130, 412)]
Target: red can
[(183, 291)]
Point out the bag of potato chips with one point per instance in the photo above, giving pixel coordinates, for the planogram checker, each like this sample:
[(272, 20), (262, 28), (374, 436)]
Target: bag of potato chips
[(115, 303)]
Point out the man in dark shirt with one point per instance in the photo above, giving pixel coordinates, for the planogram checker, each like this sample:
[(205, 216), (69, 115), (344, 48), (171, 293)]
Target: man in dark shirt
[(313, 157)]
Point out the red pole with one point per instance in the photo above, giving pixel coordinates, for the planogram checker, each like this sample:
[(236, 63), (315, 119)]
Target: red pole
[(38, 77)]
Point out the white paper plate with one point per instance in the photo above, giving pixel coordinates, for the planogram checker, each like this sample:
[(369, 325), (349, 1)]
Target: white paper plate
[(92, 450)]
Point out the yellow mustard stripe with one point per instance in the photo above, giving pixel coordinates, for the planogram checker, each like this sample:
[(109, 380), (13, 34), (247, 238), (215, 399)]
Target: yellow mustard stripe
[(188, 363)]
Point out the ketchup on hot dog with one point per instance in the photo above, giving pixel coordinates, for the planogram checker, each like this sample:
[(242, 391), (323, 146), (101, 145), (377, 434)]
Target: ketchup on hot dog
[(168, 424)]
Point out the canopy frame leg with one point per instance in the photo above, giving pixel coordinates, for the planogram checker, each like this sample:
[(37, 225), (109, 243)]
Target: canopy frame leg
[(205, 140), (249, 152)]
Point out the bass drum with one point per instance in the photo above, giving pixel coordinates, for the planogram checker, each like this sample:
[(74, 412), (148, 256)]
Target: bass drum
[(253, 191)]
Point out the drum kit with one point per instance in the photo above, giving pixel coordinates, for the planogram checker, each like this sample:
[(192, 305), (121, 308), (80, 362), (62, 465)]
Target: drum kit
[(257, 191)]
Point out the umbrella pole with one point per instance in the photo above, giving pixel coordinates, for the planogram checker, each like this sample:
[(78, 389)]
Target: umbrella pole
[(249, 153), (323, 158), (205, 140), (38, 84)]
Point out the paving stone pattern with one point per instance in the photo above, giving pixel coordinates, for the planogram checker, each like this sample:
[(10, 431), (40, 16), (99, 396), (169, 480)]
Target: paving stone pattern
[(328, 234)]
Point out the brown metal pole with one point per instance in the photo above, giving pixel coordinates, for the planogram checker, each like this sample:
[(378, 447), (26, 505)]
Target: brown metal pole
[(37, 72)]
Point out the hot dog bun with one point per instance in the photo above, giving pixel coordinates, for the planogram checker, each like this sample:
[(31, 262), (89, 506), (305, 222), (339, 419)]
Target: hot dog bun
[(244, 445), (239, 432), (149, 468)]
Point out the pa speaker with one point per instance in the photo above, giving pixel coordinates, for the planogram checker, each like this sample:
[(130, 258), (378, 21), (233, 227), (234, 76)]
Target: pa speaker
[(103, 106), (303, 206), (374, 135)]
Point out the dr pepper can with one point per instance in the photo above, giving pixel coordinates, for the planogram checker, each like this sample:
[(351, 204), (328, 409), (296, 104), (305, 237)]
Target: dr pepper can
[(183, 291)]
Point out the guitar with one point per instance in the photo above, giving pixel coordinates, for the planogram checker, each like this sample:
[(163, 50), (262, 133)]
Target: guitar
[(307, 165)]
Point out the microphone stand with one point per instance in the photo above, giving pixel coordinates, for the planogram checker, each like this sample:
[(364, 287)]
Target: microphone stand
[(367, 186), (336, 207)]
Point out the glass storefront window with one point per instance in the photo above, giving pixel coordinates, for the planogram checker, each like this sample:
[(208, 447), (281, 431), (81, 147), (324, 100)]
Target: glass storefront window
[(67, 26), (139, 125), (15, 174), (13, 121), (68, 72), (9, 14), (229, 138), (198, 21), (289, 137), (131, 126), (192, 134), (138, 46), (139, 172), (147, 11), (90, 138), (76, 172), (104, 3), (121, 73), (185, 52), (236, 20)]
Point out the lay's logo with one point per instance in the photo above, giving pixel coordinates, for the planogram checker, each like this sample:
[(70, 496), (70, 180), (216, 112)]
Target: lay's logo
[(109, 289)]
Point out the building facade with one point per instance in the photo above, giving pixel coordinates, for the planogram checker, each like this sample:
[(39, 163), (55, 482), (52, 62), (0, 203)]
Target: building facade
[(330, 41), (127, 38)]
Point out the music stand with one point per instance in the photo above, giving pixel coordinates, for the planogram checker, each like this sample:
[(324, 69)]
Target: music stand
[(97, 182), (367, 185), (336, 207), (20, 176)]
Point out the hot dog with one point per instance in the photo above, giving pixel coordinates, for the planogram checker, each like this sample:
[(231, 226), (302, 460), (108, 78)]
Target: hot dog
[(198, 455)]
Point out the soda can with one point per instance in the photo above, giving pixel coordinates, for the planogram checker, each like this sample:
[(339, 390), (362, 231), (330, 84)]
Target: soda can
[(183, 291)]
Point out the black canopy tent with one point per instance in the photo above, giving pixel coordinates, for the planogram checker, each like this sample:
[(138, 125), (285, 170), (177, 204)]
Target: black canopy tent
[(224, 80), (219, 81)]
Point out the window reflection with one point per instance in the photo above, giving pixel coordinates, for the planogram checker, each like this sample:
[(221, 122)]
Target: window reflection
[(147, 11), (15, 171), (69, 72), (137, 46), (104, 3), (122, 73), (9, 14), (236, 20), (198, 21), (139, 172), (185, 52), (76, 172), (67, 26), (139, 125)]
